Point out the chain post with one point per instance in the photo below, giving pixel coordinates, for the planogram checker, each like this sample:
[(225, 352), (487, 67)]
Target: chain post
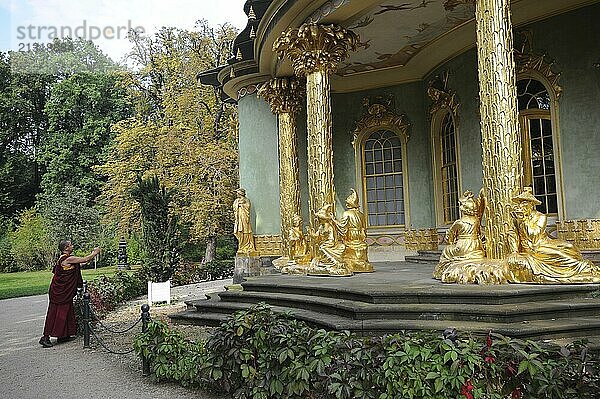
[(145, 321), (86, 317)]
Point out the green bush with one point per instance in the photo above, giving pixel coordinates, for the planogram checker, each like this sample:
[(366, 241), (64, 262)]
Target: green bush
[(106, 293), (226, 248), (218, 269), (7, 263), (171, 356), (260, 354), (31, 245), (190, 273)]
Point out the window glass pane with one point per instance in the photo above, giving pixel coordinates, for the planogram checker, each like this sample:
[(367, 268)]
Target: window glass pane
[(550, 184), (535, 128), (546, 127), (552, 204), (400, 218), (387, 152), (447, 169), (383, 178), (390, 194), (538, 186), (397, 166)]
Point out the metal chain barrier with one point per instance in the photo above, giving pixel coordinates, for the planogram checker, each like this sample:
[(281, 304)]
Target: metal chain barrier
[(89, 316)]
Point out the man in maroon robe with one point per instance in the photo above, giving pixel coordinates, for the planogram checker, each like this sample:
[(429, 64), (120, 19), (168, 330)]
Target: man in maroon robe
[(60, 319)]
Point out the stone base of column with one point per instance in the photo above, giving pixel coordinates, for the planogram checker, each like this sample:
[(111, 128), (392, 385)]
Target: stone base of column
[(251, 266), (245, 266)]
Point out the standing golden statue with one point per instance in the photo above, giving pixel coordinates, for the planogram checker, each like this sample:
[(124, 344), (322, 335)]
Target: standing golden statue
[(353, 228), (539, 258), (242, 229), (464, 236)]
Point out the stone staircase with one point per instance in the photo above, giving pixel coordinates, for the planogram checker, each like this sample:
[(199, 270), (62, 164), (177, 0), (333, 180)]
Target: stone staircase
[(402, 296)]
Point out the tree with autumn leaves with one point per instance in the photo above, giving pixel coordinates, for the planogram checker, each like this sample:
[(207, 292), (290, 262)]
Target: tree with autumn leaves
[(182, 133)]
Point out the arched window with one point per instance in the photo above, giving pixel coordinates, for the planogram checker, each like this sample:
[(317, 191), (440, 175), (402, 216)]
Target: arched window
[(539, 168), (383, 179), (448, 169)]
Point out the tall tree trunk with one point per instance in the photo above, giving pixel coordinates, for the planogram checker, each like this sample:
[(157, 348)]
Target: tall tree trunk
[(211, 249)]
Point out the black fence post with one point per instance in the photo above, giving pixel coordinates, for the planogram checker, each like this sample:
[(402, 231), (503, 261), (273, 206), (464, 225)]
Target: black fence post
[(86, 319), (145, 321)]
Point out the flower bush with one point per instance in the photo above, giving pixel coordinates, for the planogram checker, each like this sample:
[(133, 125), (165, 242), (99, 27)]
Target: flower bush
[(260, 354)]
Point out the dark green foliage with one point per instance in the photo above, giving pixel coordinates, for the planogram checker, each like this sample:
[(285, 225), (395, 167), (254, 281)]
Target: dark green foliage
[(171, 356), (189, 273), (226, 248), (69, 217), (7, 263), (260, 354), (81, 110), (107, 293), (159, 227), (30, 245)]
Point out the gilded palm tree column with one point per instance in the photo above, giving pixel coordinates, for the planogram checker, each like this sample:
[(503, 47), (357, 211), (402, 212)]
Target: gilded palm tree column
[(285, 97), (501, 141), (315, 52)]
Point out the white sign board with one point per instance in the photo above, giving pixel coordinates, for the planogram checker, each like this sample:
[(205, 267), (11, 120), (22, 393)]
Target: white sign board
[(159, 292)]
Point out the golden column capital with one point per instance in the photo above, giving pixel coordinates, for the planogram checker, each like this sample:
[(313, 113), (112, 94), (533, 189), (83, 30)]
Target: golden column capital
[(316, 48), (284, 95)]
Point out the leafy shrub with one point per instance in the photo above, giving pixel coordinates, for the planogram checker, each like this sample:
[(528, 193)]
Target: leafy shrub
[(7, 263), (31, 245), (260, 354), (106, 293), (171, 356), (218, 269), (190, 273), (226, 248)]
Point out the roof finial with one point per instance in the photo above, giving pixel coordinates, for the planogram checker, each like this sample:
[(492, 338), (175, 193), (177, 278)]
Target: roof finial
[(238, 55), (252, 33), (251, 14)]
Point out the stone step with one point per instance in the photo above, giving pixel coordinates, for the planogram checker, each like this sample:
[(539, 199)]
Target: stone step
[(434, 293), (538, 329), (504, 313)]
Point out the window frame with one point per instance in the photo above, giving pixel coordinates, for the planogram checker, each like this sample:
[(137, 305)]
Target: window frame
[(437, 124), (359, 148), (550, 114)]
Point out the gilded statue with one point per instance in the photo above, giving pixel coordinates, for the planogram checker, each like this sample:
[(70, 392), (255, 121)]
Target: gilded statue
[(353, 228), (539, 258), (242, 229), (327, 246), (298, 245), (464, 236)]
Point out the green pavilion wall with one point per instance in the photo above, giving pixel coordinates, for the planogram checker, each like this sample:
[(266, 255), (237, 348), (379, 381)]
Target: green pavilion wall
[(259, 162)]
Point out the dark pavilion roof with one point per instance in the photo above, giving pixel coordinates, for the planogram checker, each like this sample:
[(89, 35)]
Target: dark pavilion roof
[(243, 46)]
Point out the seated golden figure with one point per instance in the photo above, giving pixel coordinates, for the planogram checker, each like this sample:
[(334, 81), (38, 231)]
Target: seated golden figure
[(298, 244), (540, 258), (328, 246), (464, 236), (354, 234)]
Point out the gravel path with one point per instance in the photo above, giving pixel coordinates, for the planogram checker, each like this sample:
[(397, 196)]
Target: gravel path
[(28, 371)]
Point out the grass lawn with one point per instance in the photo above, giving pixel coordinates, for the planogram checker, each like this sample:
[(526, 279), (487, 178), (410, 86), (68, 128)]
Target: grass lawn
[(13, 285)]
